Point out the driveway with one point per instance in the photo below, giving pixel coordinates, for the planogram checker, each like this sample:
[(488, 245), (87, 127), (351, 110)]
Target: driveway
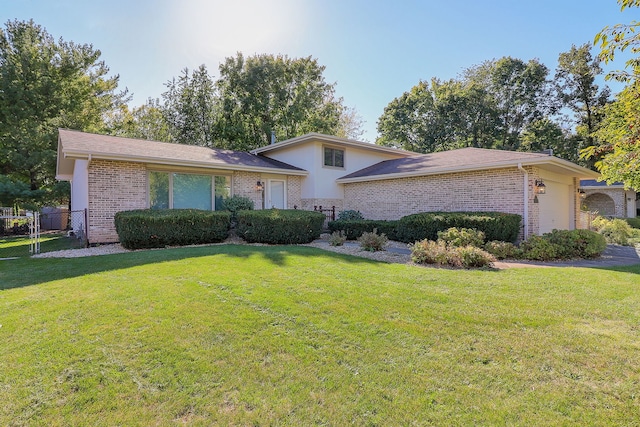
[(613, 256)]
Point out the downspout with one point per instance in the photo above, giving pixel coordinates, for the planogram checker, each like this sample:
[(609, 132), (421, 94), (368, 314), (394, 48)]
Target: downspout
[(525, 183)]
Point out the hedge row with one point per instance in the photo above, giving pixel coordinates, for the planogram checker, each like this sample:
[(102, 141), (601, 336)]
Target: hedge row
[(412, 228), (279, 226), (495, 225), (157, 228)]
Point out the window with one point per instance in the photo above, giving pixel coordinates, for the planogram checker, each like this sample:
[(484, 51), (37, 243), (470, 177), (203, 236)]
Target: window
[(333, 157), (187, 191)]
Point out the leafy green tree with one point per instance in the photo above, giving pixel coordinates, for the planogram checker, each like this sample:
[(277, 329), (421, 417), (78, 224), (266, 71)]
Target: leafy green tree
[(411, 122), (266, 93), (576, 88), (520, 90), (619, 157), (620, 38), (144, 122), (190, 108), (44, 85)]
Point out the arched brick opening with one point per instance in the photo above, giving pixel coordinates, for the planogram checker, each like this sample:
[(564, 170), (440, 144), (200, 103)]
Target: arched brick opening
[(601, 203)]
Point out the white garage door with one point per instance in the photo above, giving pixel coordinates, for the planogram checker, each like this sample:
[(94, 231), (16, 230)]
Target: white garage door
[(555, 207)]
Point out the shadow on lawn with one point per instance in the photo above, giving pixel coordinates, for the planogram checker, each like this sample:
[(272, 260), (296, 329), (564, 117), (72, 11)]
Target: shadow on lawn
[(29, 271)]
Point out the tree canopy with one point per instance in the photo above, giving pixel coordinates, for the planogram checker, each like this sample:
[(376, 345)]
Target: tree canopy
[(489, 106), (262, 94), (45, 85), (620, 130)]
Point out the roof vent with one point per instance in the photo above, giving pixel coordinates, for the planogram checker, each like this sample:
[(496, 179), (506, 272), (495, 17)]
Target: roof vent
[(548, 152), (273, 137)]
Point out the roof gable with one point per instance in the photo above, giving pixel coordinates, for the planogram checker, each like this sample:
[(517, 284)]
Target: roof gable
[(334, 140)]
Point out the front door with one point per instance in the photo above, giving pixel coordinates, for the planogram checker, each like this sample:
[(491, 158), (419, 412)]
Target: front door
[(276, 194)]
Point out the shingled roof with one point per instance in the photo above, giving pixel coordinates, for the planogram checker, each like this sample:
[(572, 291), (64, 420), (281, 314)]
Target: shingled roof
[(81, 145), (463, 159)]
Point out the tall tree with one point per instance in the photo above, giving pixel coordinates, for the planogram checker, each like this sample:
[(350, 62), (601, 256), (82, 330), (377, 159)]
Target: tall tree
[(576, 88), (520, 90), (620, 155), (46, 84), (144, 122), (412, 122), (191, 108), (262, 94)]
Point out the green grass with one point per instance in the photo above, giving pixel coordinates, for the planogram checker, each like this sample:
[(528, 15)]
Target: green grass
[(18, 246), (242, 335)]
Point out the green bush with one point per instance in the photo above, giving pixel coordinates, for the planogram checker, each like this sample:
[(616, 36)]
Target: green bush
[(279, 226), (503, 250), (472, 257), (439, 253), (350, 215), (157, 228), (234, 204), (634, 222), (354, 228), (337, 238), (461, 237), (429, 252), (615, 231), (373, 241), (495, 225), (539, 248), (577, 243)]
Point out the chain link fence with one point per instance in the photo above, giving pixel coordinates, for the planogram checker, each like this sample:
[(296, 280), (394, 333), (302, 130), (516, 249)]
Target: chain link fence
[(30, 233)]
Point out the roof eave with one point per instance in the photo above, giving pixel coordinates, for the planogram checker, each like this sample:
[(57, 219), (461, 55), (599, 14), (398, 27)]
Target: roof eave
[(169, 162), (578, 170)]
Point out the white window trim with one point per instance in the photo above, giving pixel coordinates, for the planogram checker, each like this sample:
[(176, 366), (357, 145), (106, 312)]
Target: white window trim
[(344, 157)]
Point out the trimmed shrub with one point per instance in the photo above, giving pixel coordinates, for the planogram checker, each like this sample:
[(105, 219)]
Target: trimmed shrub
[(279, 226), (157, 228), (539, 248), (503, 250), (350, 215), (337, 238), (461, 237), (354, 228), (495, 225), (438, 253), (234, 204), (373, 241), (577, 243)]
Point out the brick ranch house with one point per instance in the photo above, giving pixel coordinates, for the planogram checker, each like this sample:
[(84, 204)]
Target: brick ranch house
[(109, 174)]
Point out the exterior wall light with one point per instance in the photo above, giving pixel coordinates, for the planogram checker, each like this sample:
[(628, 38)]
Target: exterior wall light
[(582, 193), (259, 186), (540, 188)]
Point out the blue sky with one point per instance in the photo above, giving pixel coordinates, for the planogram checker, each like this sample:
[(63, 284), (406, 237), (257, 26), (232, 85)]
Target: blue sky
[(374, 50)]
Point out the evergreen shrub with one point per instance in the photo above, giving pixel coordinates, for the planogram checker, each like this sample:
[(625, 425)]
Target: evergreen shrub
[(157, 228), (279, 226)]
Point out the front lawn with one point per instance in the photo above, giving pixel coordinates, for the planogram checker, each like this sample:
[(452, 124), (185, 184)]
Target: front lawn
[(18, 246), (262, 335)]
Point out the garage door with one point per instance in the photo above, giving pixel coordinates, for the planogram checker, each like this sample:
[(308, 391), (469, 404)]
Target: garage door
[(555, 207)]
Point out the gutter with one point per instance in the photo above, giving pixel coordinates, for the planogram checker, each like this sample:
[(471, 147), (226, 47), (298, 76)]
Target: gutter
[(525, 217)]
